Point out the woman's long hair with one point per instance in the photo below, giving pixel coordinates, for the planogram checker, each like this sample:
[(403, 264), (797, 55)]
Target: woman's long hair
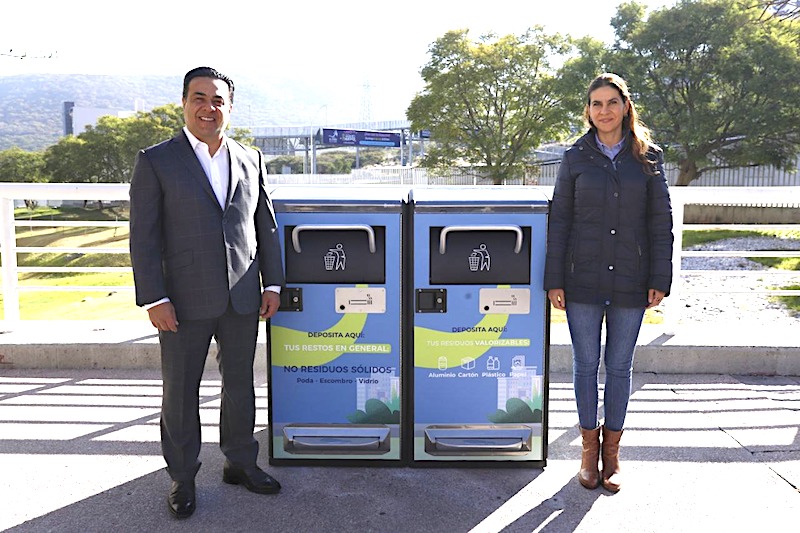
[(640, 134)]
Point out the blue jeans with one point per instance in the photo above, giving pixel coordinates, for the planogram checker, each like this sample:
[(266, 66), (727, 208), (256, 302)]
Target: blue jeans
[(622, 329)]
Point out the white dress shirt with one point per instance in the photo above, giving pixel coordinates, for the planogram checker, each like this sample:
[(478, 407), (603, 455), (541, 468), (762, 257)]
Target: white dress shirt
[(217, 166)]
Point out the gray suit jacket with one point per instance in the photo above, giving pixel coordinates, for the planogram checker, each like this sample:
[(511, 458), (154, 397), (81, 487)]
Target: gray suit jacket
[(184, 246)]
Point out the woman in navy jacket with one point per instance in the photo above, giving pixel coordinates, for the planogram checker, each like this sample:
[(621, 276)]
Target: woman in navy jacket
[(609, 257)]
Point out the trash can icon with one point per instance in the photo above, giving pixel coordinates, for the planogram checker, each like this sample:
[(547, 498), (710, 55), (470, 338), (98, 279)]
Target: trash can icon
[(335, 259), (474, 262), (480, 259), (330, 260)]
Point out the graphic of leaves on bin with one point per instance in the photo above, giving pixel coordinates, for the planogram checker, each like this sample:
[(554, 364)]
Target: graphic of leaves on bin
[(375, 412), (517, 411)]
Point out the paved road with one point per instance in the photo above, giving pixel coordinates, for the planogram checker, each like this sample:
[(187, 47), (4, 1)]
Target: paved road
[(79, 452)]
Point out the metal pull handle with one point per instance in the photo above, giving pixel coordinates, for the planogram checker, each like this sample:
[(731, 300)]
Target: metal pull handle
[(337, 442), (479, 444), (363, 227), (448, 229)]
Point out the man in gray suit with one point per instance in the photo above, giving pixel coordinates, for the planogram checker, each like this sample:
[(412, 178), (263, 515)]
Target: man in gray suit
[(203, 245)]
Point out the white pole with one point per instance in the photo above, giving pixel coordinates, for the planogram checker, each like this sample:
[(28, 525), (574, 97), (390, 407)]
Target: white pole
[(313, 151), (9, 258), (674, 304)]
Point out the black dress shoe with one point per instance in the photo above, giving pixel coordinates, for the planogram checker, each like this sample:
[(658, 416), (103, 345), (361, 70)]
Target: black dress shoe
[(181, 498), (253, 478)]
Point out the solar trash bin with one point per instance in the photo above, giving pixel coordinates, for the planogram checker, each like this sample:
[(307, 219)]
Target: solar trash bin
[(334, 358), (480, 325)]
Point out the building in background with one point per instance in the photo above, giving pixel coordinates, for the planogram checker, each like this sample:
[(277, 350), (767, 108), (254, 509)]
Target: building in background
[(77, 118)]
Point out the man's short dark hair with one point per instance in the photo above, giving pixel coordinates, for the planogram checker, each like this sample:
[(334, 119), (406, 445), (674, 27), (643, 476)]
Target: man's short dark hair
[(206, 72)]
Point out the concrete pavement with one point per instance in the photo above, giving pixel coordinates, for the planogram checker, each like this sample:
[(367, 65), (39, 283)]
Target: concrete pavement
[(79, 452), (712, 442)]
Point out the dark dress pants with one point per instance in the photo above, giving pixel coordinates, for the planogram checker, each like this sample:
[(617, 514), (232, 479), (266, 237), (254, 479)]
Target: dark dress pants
[(183, 356)]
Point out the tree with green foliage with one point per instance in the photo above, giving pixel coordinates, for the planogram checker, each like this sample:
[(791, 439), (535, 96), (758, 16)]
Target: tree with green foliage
[(18, 165), (22, 166), (293, 162), (344, 161), (588, 59), (489, 103), (107, 157), (106, 152), (73, 160), (717, 83), (243, 135), (150, 127), (368, 157), (328, 162), (775, 8), (65, 160), (335, 162)]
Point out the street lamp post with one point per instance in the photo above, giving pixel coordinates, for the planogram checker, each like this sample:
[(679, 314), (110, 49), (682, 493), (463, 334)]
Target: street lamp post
[(312, 137)]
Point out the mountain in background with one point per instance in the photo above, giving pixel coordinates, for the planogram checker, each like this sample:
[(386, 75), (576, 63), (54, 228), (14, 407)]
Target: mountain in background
[(31, 106)]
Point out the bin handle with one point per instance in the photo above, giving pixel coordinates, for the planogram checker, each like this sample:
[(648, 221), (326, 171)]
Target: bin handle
[(316, 227), (448, 229)]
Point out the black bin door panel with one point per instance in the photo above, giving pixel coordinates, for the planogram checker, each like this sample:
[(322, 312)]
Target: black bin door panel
[(480, 257), (335, 256)]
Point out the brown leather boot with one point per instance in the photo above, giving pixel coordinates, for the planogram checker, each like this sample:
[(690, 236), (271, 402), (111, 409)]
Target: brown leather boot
[(612, 479), (589, 475)]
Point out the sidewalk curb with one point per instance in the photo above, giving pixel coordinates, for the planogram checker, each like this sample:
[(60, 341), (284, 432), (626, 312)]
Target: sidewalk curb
[(134, 345)]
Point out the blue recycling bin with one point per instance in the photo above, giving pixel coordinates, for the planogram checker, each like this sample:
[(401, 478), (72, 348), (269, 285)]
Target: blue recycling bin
[(334, 358), (480, 326)]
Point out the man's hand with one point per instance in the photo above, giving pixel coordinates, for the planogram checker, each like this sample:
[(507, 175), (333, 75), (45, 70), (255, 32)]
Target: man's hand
[(163, 318), (270, 301)]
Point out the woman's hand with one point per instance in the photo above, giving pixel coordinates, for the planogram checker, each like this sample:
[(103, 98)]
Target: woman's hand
[(654, 297), (556, 297)]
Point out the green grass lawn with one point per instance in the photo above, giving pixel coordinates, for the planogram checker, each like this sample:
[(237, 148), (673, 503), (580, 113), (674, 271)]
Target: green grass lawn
[(114, 304), (108, 304)]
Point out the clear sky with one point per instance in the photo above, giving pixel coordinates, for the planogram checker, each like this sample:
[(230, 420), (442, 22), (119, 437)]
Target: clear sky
[(346, 46)]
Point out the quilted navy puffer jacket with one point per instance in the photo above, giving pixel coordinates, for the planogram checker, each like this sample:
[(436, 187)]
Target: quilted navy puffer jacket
[(610, 229)]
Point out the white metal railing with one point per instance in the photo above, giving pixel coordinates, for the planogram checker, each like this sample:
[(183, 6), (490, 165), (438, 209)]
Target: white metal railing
[(115, 192), (8, 245), (681, 196)]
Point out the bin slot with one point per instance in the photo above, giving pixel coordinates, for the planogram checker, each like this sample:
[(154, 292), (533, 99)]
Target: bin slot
[(360, 300), (337, 439), (471, 439), (333, 227), (515, 229), (516, 301), (480, 255), (335, 253)]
